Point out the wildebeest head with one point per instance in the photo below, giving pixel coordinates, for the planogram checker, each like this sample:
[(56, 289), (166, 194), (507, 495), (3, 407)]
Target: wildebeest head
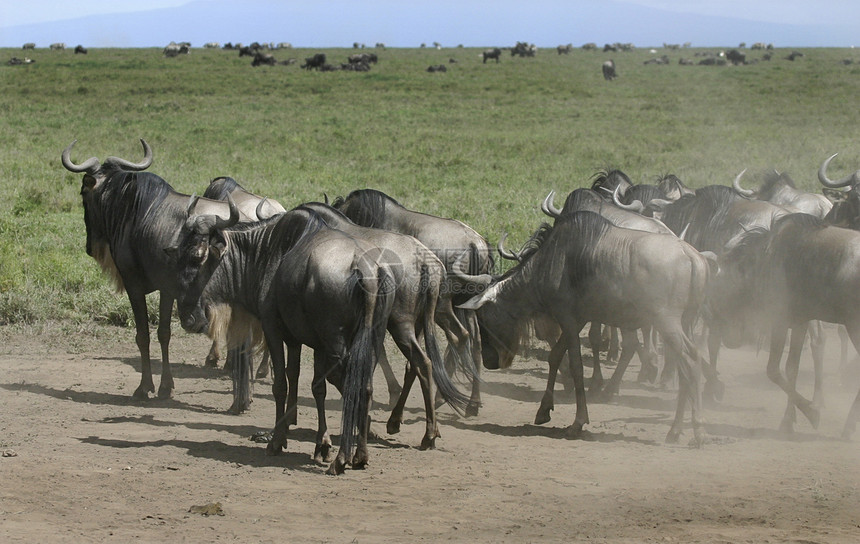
[(605, 182), (365, 207), (672, 187), (94, 184)]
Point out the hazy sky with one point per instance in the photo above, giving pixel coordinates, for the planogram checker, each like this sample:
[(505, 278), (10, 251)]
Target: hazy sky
[(408, 22)]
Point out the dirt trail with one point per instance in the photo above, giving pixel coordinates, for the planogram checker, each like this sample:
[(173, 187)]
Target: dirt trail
[(87, 463)]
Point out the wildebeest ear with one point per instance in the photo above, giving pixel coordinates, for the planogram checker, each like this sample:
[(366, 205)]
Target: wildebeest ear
[(217, 244), (834, 195), (473, 303), (89, 181)]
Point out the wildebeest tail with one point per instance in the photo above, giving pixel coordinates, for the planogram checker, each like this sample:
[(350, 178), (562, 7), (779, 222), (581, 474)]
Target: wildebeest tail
[(453, 396), (375, 298)]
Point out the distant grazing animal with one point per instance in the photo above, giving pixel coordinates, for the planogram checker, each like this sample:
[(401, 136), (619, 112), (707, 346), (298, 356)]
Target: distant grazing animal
[(437, 68), (80, 49), (493, 53), (736, 57), (57, 46), (564, 49), (174, 49), (29, 45), (263, 58), (794, 55), (315, 62), (609, 72), (211, 45)]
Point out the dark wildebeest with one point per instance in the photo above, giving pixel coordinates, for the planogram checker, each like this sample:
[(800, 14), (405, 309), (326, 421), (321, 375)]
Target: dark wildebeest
[(715, 219), (672, 187), (306, 284), (263, 58), (250, 205), (799, 270), (494, 53), (130, 216), (736, 57), (419, 276), (588, 270), (609, 72), (448, 239), (315, 62), (80, 50), (592, 200)]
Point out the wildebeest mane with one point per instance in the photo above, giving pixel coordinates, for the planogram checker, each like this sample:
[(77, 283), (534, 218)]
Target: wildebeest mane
[(772, 181), (704, 212), (577, 235), (370, 209), (642, 193), (607, 179), (134, 197), (221, 187)]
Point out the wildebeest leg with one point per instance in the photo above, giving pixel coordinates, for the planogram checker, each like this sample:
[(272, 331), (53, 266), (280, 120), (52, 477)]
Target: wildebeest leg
[(420, 366), (680, 404), (396, 417), (777, 346), (547, 404), (853, 331), (279, 391), (843, 347), (574, 355), (213, 356), (141, 325), (647, 352), (322, 450), (612, 353), (294, 356), (165, 312), (798, 337), (681, 348), (594, 337), (816, 346), (263, 369), (475, 350), (394, 388), (629, 346), (240, 371)]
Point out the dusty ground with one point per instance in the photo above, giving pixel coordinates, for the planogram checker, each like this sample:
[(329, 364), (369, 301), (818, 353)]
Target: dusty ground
[(87, 463)]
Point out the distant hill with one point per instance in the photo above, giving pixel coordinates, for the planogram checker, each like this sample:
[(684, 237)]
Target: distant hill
[(339, 23)]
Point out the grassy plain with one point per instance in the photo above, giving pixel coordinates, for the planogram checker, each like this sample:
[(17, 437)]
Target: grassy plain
[(483, 143)]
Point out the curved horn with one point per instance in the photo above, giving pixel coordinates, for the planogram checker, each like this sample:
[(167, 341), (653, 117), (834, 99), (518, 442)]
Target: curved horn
[(853, 179), (658, 204), (259, 209), (635, 206), (325, 198), (205, 224), (128, 165), (548, 207), (458, 269), (89, 166), (234, 215), (510, 255), (192, 202), (740, 190)]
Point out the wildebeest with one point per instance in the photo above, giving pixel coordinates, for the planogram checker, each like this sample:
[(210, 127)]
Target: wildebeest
[(419, 302), (307, 284), (263, 58), (609, 72), (564, 49), (211, 45), (799, 270), (494, 53), (448, 239), (59, 46), (174, 49), (130, 217), (80, 50), (588, 270), (778, 188), (524, 49), (29, 45), (736, 57), (437, 68), (315, 62), (250, 205)]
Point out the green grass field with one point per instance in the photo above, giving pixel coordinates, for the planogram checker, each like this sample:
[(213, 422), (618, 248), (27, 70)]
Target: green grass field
[(483, 143)]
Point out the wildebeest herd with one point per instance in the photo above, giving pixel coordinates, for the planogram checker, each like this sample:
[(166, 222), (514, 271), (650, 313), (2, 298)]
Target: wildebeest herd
[(674, 264)]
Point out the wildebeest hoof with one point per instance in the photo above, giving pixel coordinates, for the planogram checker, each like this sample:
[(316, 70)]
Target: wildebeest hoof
[(273, 450), (393, 426), (237, 408), (165, 392), (427, 443), (673, 437), (359, 460), (812, 414), (576, 432), (322, 454), (336, 467), (472, 409), (542, 416), (786, 426)]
